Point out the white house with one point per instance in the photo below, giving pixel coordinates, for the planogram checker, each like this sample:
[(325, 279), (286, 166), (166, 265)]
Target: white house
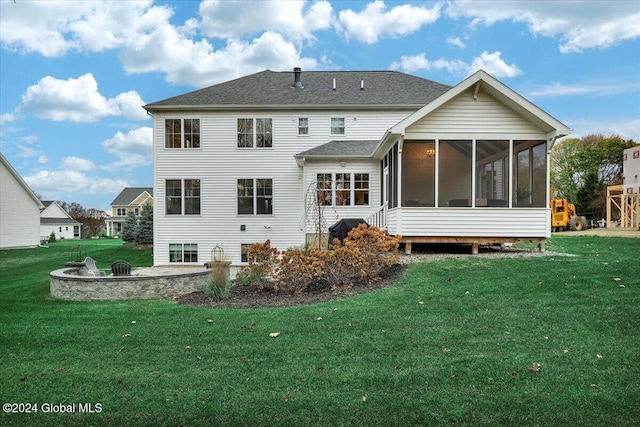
[(130, 199), (54, 219), (19, 210), (257, 157)]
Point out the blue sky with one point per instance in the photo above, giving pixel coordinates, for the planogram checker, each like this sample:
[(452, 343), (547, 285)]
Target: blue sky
[(74, 74)]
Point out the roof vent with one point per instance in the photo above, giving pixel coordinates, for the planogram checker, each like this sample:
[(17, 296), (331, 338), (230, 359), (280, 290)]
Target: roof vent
[(297, 83)]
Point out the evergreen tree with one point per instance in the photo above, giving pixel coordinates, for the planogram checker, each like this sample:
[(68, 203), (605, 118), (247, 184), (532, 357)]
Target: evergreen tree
[(129, 227), (144, 231)]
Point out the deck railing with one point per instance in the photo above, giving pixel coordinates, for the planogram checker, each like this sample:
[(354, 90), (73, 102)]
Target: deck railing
[(379, 218)]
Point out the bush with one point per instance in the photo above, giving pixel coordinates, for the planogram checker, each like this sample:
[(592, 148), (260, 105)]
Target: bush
[(52, 237), (263, 261), (376, 250), (218, 286), (296, 269), (339, 264), (364, 254)]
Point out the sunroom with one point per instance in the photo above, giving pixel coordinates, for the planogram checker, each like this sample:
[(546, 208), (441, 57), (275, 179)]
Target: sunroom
[(471, 167)]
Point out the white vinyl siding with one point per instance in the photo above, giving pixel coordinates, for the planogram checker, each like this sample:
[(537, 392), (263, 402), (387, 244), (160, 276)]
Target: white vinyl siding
[(219, 164), (476, 222), (465, 118), (19, 213)]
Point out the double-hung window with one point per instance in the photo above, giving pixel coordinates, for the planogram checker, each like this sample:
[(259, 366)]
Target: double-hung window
[(342, 189), (182, 196), (255, 133), (255, 196), (183, 252), (303, 126), (325, 189), (337, 126), (182, 133)]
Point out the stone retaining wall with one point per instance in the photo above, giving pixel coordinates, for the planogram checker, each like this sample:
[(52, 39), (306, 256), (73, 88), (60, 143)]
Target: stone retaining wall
[(66, 284)]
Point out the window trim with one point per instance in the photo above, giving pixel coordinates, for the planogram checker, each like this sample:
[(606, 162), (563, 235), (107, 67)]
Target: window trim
[(254, 196), (331, 187), (183, 145), (254, 133), (300, 127), (183, 252), (183, 197), (332, 127)]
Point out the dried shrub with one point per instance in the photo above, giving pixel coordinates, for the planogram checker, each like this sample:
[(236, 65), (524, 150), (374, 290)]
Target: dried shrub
[(374, 250), (339, 264), (263, 261), (297, 269)]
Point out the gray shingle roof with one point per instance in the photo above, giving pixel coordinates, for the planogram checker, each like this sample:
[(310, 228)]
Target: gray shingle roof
[(271, 88), (129, 194), (359, 149)]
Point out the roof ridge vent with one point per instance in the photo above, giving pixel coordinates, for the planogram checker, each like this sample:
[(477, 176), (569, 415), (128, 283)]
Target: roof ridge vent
[(297, 83)]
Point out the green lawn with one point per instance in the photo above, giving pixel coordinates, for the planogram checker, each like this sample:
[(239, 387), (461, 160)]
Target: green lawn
[(453, 343)]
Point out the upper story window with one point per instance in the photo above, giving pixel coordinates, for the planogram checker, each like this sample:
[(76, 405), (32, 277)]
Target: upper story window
[(255, 196), (343, 189), (337, 125), (122, 211), (182, 196), (303, 126), (182, 133), (255, 133)]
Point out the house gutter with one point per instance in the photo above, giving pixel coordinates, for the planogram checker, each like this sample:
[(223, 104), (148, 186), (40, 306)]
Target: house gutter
[(293, 107)]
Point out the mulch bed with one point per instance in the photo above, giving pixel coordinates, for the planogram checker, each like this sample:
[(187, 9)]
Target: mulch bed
[(253, 296)]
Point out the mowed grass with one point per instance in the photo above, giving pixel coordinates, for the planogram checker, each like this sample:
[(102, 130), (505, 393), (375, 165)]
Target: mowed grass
[(453, 343)]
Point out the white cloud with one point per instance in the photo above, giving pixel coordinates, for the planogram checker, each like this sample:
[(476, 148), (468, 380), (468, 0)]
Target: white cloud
[(52, 28), (78, 164), (559, 89), (628, 128), (107, 186), (78, 100), (7, 118), (26, 151), (232, 19), (132, 150), (149, 42), (580, 25), (61, 184), (375, 21), (493, 64), (43, 159), (456, 41), (200, 65), (411, 64), (490, 62)]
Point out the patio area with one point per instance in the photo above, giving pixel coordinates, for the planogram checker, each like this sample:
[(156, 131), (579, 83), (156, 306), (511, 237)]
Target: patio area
[(143, 283)]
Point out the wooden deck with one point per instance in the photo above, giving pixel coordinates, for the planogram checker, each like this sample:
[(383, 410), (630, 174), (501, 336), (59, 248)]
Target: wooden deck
[(473, 241)]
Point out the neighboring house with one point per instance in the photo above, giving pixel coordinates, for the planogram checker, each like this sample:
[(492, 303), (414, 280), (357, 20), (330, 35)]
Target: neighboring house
[(131, 199), (19, 210), (54, 219), (255, 158)]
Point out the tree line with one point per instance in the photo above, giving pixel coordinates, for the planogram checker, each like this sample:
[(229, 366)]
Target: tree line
[(582, 168)]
